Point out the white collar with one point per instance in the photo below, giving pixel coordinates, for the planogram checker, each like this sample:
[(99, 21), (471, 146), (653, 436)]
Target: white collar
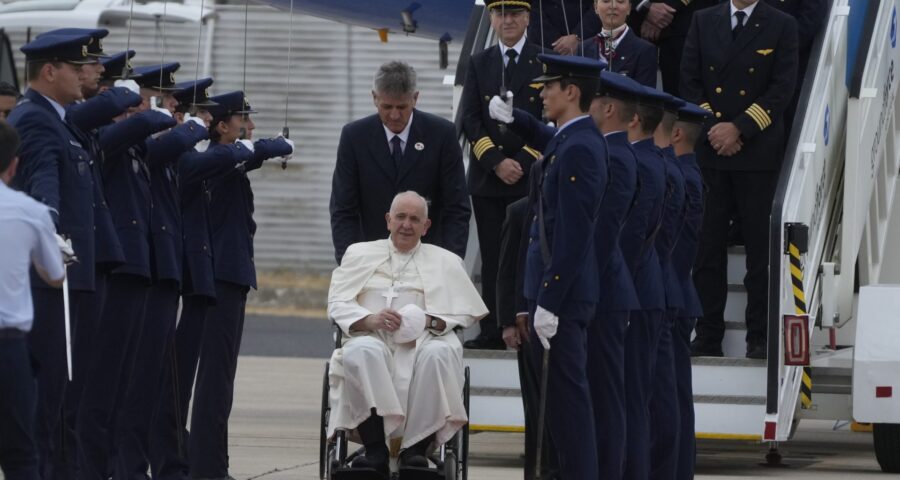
[(611, 133), (563, 127), (517, 47), (395, 251), (56, 106), (404, 135), (747, 10)]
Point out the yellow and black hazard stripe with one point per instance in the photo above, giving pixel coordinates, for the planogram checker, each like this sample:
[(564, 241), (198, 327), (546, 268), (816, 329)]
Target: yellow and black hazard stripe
[(800, 307), (482, 145), (759, 115)]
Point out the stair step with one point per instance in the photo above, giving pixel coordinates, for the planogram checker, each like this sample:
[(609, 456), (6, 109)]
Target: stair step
[(737, 265), (471, 353), (492, 369), (731, 399), (727, 362), (729, 421), (494, 392), (725, 377)]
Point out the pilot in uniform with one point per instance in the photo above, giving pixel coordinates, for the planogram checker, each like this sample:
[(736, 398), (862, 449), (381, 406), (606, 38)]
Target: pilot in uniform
[(637, 241), (127, 182), (232, 226), (742, 66), (561, 281), (494, 147), (55, 169)]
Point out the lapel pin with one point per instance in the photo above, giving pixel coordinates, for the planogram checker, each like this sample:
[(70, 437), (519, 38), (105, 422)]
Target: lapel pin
[(420, 146)]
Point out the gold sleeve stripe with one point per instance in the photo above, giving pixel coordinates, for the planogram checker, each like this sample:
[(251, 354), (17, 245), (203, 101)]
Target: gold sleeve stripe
[(534, 153), (759, 115), (482, 145), (706, 106)]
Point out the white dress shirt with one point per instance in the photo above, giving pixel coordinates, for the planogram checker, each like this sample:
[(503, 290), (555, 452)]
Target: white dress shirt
[(404, 135), (517, 47), (748, 11)]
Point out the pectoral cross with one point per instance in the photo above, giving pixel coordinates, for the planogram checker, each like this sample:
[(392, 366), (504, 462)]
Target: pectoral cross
[(389, 296)]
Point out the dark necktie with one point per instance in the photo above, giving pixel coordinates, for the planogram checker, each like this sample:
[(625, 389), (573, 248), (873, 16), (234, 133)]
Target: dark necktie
[(736, 31), (510, 63), (396, 151)]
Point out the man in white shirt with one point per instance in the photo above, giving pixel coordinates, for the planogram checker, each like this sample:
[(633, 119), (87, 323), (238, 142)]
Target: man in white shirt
[(399, 371), (27, 237)]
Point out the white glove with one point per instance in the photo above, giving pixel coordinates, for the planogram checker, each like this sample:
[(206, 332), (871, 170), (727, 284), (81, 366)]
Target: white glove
[(287, 157), (501, 110), (246, 143), (129, 84), (545, 324), (65, 247), (158, 109), (199, 121)]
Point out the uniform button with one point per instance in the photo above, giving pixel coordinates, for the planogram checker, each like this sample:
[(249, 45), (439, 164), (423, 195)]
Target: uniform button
[(134, 222), (95, 205), (95, 228), (546, 284), (164, 227), (718, 89), (556, 277), (743, 92), (204, 247), (752, 70), (572, 178), (535, 218), (718, 114), (103, 203), (552, 157), (530, 240), (487, 98), (500, 147), (712, 68), (532, 99)]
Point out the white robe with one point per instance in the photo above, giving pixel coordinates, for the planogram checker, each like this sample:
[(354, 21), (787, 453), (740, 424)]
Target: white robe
[(416, 387)]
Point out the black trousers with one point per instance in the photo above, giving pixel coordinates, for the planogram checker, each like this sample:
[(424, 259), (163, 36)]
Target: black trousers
[(529, 381), (169, 442), (749, 195), (687, 443), (220, 344), (47, 342), (490, 212), (641, 346), (670, 49), (144, 391), (18, 456), (606, 375), (109, 364), (665, 420)]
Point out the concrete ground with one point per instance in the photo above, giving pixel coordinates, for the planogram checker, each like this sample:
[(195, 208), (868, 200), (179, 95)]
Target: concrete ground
[(274, 434)]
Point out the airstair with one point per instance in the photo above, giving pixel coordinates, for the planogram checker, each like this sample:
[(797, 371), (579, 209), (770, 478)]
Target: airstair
[(832, 234)]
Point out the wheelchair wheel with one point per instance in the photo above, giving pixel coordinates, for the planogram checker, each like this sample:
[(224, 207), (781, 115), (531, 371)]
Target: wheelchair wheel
[(451, 466), (462, 455), (324, 445)]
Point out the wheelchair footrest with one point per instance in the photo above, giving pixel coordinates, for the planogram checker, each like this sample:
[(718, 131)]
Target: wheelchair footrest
[(418, 473), (357, 474)]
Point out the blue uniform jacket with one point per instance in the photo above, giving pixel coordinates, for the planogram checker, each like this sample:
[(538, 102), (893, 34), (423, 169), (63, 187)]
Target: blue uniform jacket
[(55, 169), (640, 229), (231, 217), (572, 181), (165, 218), (194, 169), (127, 181), (634, 57), (672, 221), (99, 110), (686, 249), (617, 291)]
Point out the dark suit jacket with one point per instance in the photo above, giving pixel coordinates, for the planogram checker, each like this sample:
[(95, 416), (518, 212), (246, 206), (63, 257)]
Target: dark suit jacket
[(681, 22), (689, 237), (55, 169), (511, 269), (556, 14), (365, 182), (194, 169), (748, 81), (489, 145), (672, 221), (634, 57), (573, 179)]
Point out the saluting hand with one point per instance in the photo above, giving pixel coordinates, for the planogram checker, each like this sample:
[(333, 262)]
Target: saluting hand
[(509, 171)]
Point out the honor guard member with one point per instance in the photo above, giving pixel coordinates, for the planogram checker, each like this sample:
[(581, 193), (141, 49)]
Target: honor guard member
[(685, 132), (55, 170), (164, 154), (28, 237), (499, 174), (561, 278), (231, 220), (397, 149), (740, 62), (127, 182), (613, 111), (637, 241), (169, 441), (622, 48), (664, 418)]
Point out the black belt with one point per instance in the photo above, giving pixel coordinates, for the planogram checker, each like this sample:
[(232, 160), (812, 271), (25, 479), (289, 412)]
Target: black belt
[(11, 333)]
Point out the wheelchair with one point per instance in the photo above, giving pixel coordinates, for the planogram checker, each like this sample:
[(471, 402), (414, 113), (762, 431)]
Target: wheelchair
[(450, 459)]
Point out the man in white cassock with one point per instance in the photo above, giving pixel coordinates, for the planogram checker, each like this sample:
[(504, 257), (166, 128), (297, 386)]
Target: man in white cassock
[(399, 372)]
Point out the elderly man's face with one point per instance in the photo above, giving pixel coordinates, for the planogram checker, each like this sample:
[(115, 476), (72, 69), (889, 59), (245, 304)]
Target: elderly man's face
[(509, 24), (395, 110), (7, 103), (407, 222)]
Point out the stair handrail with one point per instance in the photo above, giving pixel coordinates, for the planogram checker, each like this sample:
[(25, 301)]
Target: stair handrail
[(805, 190)]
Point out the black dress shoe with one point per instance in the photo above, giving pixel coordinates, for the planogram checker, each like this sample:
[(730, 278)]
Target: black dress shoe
[(378, 464), (704, 349), (757, 351), (484, 343)]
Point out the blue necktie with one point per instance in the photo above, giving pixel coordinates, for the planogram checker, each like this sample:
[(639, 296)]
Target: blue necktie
[(396, 152)]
